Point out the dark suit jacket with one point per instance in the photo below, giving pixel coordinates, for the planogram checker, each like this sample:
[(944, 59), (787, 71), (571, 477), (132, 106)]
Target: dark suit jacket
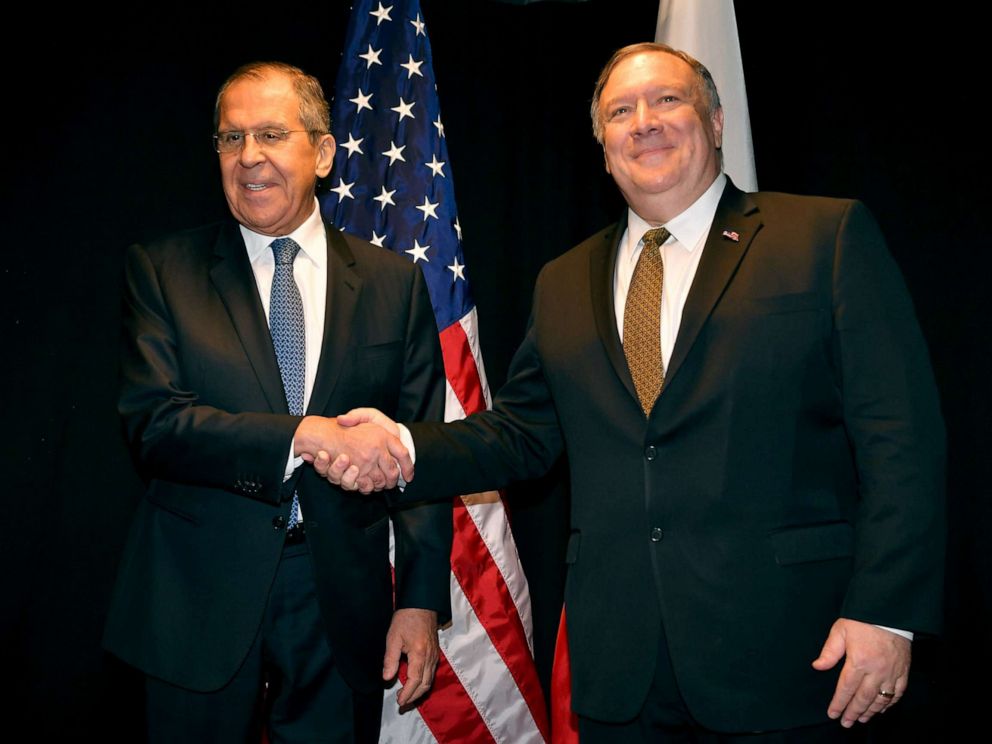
[(789, 474), (204, 409)]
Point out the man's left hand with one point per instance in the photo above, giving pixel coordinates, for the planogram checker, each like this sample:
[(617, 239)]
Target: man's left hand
[(877, 661), (413, 633)]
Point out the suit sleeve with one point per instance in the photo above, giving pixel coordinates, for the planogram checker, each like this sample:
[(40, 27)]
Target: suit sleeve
[(518, 439), (172, 433), (892, 416), (423, 531)]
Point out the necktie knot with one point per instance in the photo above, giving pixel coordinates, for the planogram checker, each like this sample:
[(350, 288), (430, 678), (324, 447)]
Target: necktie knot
[(655, 237), (285, 250)]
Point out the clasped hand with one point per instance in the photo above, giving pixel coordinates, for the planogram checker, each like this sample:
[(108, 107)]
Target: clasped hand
[(359, 451)]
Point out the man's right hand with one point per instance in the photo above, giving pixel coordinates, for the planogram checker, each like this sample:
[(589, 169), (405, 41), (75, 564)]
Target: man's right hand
[(373, 457), (343, 470)]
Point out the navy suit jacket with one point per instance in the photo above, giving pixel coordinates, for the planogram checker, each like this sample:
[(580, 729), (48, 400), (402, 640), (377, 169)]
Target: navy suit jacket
[(790, 472), (206, 416)]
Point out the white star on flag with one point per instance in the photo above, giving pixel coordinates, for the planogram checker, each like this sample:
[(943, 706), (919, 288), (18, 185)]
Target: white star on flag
[(419, 25), (439, 125), (377, 239), (418, 251), (371, 57), (362, 101), (458, 229), (412, 67), (395, 153), (353, 145), (458, 270), (386, 197), (436, 166), (381, 14), (404, 108), (429, 210), (343, 189)]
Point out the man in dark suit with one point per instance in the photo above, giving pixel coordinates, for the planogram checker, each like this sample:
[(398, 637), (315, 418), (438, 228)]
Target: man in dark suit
[(251, 588), (753, 435)]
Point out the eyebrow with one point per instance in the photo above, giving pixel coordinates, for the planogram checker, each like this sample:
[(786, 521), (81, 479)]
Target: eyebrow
[(264, 125)]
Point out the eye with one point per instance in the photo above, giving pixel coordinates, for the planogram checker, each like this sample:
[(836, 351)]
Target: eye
[(229, 139), (668, 99), (272, 136), (619, 111)]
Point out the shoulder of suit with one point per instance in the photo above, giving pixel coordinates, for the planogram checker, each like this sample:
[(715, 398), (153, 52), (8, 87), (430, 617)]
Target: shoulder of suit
[(187, 244), (369, 254), (797, 206)]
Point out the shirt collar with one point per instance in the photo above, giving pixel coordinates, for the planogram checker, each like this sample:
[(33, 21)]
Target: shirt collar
[(310, 235), (691, 226)]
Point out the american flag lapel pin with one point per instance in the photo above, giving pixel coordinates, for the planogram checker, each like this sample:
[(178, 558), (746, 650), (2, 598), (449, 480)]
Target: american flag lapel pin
[(732, 235)]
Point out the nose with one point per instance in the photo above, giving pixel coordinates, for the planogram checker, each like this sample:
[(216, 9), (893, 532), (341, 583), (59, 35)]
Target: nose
[(645, 119), (251, 153)]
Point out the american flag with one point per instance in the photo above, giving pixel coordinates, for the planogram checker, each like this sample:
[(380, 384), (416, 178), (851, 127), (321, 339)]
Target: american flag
[(392, 185)]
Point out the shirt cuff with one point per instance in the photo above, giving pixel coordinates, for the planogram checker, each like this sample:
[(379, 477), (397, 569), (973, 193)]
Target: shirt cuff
[(406, 439), (291, 464), (907, 634)]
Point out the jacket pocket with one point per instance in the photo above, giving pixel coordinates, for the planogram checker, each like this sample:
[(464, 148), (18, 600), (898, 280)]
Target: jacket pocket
[(179, 504), (787, 303), (817, 542), (365, 354)]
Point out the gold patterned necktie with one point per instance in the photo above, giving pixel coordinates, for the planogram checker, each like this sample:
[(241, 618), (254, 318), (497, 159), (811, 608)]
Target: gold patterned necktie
[(642, 320)]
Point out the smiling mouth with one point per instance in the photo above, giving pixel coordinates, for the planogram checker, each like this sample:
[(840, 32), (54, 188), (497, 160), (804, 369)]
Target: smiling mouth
[(256, 186), (656, 150)]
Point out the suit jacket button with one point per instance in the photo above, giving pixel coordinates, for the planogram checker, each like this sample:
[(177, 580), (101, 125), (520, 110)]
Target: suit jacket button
[(656, 534), (278, 522), (650, 452)]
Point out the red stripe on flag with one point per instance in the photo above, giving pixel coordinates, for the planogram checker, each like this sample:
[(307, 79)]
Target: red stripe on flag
[(460, 369), (486, 590), (564, 723), (448, 711)]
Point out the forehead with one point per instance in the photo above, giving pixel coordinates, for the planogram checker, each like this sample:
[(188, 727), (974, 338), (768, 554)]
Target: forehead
[(648, 70), (267, 100)]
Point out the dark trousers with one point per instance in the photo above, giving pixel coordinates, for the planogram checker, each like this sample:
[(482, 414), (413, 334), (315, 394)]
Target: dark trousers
[(665, 718), (288, 685)]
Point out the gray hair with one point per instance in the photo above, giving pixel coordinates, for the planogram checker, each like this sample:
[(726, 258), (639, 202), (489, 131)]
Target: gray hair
[(314, 111)]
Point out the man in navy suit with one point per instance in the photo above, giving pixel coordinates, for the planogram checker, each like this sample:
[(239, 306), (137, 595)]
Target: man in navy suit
[(753, 434), (252, 592)]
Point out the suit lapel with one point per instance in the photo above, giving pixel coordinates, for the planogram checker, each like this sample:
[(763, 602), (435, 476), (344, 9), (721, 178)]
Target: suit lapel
[(602, 262), (736, 214), (234, 280), (344, 287)]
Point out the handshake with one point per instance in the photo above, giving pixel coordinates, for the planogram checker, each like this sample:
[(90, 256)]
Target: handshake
[(359, 451)]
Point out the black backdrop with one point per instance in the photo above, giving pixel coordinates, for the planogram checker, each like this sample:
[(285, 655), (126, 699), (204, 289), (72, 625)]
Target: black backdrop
[(113, 147)]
